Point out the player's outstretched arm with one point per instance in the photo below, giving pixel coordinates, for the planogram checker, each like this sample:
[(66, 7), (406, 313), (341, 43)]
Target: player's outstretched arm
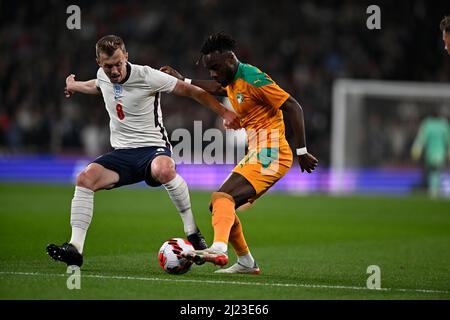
[(294, 113), (231, 120), (72, 86), (210, 86)]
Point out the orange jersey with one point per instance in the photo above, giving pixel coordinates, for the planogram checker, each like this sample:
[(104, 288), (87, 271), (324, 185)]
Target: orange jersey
[(256, 98)]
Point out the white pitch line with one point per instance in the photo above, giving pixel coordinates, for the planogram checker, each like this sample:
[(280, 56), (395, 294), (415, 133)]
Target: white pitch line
[(295, 285)]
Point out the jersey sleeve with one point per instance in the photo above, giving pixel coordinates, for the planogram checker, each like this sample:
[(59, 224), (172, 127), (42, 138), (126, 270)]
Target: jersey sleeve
[(270, 95), (97, 85), (100, 74), (159, 81)]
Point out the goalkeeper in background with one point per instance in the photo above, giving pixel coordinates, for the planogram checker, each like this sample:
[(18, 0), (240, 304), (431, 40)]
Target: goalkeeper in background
[(434, 135), (433, 141)]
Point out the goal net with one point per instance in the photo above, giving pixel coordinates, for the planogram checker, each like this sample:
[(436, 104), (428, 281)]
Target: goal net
[(374, 124)]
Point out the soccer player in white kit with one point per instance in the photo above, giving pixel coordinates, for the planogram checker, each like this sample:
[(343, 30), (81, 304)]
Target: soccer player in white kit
[(142, 152)]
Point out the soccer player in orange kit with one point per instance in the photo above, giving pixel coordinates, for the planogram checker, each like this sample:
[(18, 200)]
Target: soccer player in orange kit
[(258, 102)]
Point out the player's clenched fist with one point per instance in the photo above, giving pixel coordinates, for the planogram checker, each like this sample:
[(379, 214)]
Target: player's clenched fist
[(307, 162), (70, 80)]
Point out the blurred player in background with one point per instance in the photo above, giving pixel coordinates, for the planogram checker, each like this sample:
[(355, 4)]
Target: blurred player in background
[(142, 152), (445, 28), (433, 135), (433, 142), (259, 102)]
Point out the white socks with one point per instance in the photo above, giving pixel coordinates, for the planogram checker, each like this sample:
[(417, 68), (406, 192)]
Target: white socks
[(83, 206), (220, 246), (81, 215), (247, 260), (179, 193)]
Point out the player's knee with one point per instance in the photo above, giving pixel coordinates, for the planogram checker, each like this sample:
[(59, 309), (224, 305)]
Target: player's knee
[(86, 180), (219, 195), (164, 172)]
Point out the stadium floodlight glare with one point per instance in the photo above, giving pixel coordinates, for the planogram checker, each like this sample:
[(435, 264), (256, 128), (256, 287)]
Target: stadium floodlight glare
[(349, 108)]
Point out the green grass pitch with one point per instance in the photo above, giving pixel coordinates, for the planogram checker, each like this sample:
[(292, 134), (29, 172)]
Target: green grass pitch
[(308, 247)]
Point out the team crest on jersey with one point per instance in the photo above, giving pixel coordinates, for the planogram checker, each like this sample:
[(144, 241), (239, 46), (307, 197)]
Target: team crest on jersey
[(240, 97), (117, 91)]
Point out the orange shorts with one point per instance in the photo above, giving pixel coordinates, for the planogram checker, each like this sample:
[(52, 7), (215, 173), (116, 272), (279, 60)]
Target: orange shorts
[(262, 169)]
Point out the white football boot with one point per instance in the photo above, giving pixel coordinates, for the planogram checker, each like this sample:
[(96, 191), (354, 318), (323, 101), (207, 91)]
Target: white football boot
[(239, 268)]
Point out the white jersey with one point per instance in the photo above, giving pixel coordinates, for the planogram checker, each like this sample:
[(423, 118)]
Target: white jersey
[(134, 107)]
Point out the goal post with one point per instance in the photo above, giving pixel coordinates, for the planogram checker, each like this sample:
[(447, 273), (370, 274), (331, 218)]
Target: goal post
[(360, 107)]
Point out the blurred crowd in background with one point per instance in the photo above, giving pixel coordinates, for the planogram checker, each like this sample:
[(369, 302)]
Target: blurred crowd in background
[(303, 45)]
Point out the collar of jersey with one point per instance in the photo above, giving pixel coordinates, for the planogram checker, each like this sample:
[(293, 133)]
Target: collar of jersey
[(239, 71), (128, 73)]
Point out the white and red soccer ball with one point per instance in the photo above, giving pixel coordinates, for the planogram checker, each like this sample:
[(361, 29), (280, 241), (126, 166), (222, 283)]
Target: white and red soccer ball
[(169, 256)]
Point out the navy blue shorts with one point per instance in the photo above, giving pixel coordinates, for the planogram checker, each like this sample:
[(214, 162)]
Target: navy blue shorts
[(132, 165)]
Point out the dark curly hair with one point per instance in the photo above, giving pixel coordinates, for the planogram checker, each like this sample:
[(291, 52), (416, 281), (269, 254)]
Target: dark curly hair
[(219, 41)]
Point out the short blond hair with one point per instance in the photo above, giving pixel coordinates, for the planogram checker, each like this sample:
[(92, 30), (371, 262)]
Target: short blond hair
[(108, 45), (445, 24)]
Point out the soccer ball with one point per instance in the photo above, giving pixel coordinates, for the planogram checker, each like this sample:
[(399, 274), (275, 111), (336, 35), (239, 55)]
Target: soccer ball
[(169, 257)]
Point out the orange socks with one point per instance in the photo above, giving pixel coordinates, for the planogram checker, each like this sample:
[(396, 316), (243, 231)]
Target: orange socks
[(223, 215), (237, 239), (226, 223)]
